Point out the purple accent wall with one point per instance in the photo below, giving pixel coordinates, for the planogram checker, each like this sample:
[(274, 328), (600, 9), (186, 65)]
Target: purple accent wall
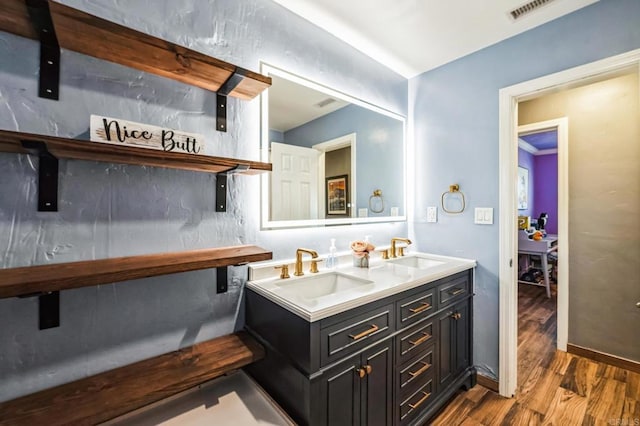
[(526, 160), (546, 189)]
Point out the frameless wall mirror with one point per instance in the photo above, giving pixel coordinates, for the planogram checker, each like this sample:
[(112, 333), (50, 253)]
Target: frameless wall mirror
[(336, 159)]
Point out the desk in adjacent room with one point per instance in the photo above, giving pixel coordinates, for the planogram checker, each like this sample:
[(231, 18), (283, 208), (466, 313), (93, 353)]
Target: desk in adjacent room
[(540, 248)]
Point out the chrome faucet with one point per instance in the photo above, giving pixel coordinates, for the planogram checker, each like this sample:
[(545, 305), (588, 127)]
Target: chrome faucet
[(298, 266), (400, 251)]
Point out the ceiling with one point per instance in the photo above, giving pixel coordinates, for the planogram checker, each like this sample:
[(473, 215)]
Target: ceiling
[(292, 105), (414, 36), (547, 139)]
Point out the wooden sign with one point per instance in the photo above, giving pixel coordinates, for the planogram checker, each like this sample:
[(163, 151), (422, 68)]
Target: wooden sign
[(121, 132)]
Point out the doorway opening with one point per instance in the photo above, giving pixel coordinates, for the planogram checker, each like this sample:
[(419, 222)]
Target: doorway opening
[(538, 242)]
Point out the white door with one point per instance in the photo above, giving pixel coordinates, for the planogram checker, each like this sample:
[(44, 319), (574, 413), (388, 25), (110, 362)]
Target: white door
[(294, 182)]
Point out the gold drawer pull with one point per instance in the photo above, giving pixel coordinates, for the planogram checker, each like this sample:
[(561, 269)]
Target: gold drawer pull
[(424, 368), (423, 399), (365, 333), (366, 369), (426, 336), (456, 292), (424, 307)]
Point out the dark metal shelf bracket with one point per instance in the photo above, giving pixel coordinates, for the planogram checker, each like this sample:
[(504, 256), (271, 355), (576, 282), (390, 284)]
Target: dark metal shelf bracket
[(221, 186), (47, 176), (49, 310), (221, 98), (49, 82), (222, 277)]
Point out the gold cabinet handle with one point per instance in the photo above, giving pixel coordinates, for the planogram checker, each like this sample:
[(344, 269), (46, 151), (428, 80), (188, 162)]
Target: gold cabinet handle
[(368, 369), (360, 372), (422, 369), (423, 399), (423, 307), (365, 333), (456, 316), (456, 292), (425, 336)]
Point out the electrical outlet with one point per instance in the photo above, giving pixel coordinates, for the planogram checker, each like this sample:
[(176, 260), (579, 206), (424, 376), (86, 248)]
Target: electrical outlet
[(432, 214)]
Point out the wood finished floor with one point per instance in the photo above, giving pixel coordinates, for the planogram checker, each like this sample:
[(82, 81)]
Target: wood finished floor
[(554, 388)]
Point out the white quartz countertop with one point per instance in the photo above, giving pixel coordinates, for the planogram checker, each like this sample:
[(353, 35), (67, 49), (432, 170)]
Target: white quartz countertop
[(383, 278)]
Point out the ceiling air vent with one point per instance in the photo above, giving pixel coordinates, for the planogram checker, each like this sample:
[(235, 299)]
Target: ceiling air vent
[(527, 8), (325, 102)]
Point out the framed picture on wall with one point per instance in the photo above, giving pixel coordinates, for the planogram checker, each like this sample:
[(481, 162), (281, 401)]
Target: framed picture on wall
[(337, 195), (523, 188)]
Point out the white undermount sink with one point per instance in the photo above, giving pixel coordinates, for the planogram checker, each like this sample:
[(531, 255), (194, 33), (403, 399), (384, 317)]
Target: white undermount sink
[(418, 262), (316, 286)]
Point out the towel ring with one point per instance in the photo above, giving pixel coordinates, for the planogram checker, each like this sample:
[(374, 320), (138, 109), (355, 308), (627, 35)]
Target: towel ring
[(376, 198), (453, 191)]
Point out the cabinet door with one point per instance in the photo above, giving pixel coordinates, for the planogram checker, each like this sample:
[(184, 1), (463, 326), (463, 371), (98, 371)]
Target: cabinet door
[(377, 390), (453, 342), (342, 393), (461, 324), (445, 348)]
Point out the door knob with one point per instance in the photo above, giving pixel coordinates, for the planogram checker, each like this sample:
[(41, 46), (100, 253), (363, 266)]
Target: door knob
[(638, 305)]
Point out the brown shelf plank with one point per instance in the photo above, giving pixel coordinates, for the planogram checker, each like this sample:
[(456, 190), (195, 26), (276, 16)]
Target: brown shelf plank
[(96, 151), (94, 36), (107, 395), (61, 276)]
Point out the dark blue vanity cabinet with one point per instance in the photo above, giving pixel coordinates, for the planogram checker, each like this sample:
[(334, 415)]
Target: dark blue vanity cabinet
[(395, 361)]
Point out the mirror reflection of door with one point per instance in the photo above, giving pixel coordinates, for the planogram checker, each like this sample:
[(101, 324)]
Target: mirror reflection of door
[(294, 181)]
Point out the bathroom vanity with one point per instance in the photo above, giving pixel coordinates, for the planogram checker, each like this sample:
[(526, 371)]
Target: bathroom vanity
[(384, 345)]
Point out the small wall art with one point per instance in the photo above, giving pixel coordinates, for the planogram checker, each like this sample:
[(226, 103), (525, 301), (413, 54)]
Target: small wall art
[(523, 188)]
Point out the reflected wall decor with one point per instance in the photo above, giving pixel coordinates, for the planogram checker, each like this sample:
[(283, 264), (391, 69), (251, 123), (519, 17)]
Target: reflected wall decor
[(337, 195)]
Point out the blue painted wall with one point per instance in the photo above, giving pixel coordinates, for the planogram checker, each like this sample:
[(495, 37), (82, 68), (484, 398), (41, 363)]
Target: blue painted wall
[(379, 151), (276, 136), (454, 113), (116, 210)]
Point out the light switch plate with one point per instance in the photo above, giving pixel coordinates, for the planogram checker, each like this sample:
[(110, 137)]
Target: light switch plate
[(432, 214), (483, 215)]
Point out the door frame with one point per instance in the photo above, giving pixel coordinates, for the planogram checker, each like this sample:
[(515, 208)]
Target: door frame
[(348, 140), (508, 160)]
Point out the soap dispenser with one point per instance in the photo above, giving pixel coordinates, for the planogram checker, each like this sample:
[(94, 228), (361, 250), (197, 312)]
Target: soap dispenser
[(332, 260)]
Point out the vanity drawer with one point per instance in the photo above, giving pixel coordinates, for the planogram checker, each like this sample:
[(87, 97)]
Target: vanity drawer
[(453, 290), (414, 341), (355, 333), (413, 404), (415, 373), (416, 307)]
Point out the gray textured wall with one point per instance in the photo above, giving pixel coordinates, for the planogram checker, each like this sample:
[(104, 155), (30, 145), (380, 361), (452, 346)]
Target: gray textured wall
[(116, 210), (604, 201)]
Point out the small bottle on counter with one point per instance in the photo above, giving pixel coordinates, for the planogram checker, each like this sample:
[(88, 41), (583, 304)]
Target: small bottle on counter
[(332, 260)]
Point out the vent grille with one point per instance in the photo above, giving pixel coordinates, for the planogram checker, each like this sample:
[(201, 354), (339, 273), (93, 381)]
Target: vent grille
[(527, 8), (325, 102)]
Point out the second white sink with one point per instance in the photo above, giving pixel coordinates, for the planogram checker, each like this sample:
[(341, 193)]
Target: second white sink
[(416, 262)]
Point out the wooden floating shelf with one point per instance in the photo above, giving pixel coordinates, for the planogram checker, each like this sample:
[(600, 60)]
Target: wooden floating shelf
[(110, 394), (61, 276), (95, 151), (93, 36)]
